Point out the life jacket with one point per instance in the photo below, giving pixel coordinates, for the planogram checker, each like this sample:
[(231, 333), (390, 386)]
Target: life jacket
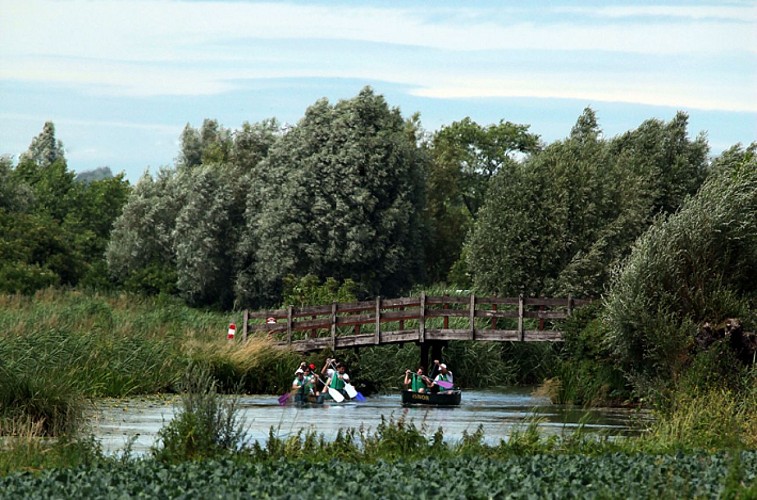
[(336, 382), (417, 383), (444, 378)]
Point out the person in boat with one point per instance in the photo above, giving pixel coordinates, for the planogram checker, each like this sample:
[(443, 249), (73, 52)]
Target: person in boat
[(309, 378), (444, 375), (418, 381), (337, 379), (299, 385)]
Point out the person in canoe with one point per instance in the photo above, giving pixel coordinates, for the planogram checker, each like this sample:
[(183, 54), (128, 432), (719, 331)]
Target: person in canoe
[(418, 381), (336, 380), (299, 385), (444, 380)]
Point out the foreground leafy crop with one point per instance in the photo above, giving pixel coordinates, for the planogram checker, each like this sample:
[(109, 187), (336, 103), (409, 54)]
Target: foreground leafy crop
[(539, 476)]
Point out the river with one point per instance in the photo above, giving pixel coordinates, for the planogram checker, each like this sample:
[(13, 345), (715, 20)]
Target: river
[(500, 412)]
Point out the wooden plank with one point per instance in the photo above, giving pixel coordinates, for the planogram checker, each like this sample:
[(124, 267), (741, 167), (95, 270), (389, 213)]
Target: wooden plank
[(543, 336), (388, 316), (545, 314), (246, 319), (351, 320), (453, 313), (289, 325), (496, 314), (447, 299), (310, 324), (545, 301), (513, 301), (407, 301), (497, 335)]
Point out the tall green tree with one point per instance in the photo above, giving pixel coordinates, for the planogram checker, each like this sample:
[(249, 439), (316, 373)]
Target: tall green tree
[(464, 156), (341, 198), (559, 223), (54, 228), (203, 244), (140, 253)]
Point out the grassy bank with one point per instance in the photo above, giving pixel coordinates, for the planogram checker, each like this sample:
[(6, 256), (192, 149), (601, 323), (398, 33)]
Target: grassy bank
[(60, 348)]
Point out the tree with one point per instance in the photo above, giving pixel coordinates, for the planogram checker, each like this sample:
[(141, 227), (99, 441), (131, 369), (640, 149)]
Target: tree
[(538, 213), (140, 253), (202, 242), (695, 266), (211, 144), (340, 197), (464, 158), (560, 222), (45, 149)]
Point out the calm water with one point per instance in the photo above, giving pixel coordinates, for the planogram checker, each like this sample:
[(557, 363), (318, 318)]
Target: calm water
[(498, 411)]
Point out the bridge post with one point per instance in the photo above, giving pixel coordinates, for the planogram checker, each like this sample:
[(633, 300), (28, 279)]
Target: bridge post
[(377, 334), (521, 333), (244, 327), (422, 319), (473, 316), (289, 325), (333, 326)]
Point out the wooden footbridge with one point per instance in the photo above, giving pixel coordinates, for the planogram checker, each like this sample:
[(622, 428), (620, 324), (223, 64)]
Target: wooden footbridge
[(426, 320)]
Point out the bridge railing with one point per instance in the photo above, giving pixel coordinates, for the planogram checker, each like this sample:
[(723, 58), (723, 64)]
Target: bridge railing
[(416, 319)]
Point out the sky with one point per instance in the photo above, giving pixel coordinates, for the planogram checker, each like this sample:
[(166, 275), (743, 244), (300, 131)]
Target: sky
[(120, 79)]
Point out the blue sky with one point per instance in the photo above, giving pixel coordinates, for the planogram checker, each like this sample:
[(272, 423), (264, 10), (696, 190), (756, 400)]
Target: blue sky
[(120, 79)]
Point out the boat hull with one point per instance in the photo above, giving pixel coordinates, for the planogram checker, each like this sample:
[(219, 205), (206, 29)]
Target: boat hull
[(446, 398)]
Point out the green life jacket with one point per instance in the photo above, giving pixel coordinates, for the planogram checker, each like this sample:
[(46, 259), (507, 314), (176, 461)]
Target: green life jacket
[(336, 382), (417, 383), (444, 378)]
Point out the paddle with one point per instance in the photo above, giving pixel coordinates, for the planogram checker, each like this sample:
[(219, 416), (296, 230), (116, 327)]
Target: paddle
[(335, 395), (445, 384), (353, 393), (284, 398), (349, 388)]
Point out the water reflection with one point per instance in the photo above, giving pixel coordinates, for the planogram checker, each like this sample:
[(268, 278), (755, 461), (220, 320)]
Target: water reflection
[(499, 412)]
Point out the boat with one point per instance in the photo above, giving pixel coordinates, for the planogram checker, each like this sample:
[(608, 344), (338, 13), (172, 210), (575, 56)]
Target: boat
[(312, 399), (307, 399), (445, 398)]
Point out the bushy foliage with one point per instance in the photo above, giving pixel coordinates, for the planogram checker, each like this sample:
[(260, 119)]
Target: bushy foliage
[(205, 425), (53, 229), (557, 223), (695, 266), (308, 291), (340, 197), (463, 157)]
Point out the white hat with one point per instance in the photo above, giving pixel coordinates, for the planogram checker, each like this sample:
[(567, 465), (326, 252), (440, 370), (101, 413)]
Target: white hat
[(442, 366), (299, 370)]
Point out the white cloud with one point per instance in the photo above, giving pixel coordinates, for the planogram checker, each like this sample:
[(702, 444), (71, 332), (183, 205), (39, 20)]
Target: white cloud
[(164, 47)]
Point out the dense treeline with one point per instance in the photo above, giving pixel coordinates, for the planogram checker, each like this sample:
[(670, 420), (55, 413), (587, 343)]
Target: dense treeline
[(353, 192), (357, 194)]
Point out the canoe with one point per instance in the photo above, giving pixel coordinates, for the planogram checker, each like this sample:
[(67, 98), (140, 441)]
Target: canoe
[(308, 399), (446, 398), (312, 399)]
